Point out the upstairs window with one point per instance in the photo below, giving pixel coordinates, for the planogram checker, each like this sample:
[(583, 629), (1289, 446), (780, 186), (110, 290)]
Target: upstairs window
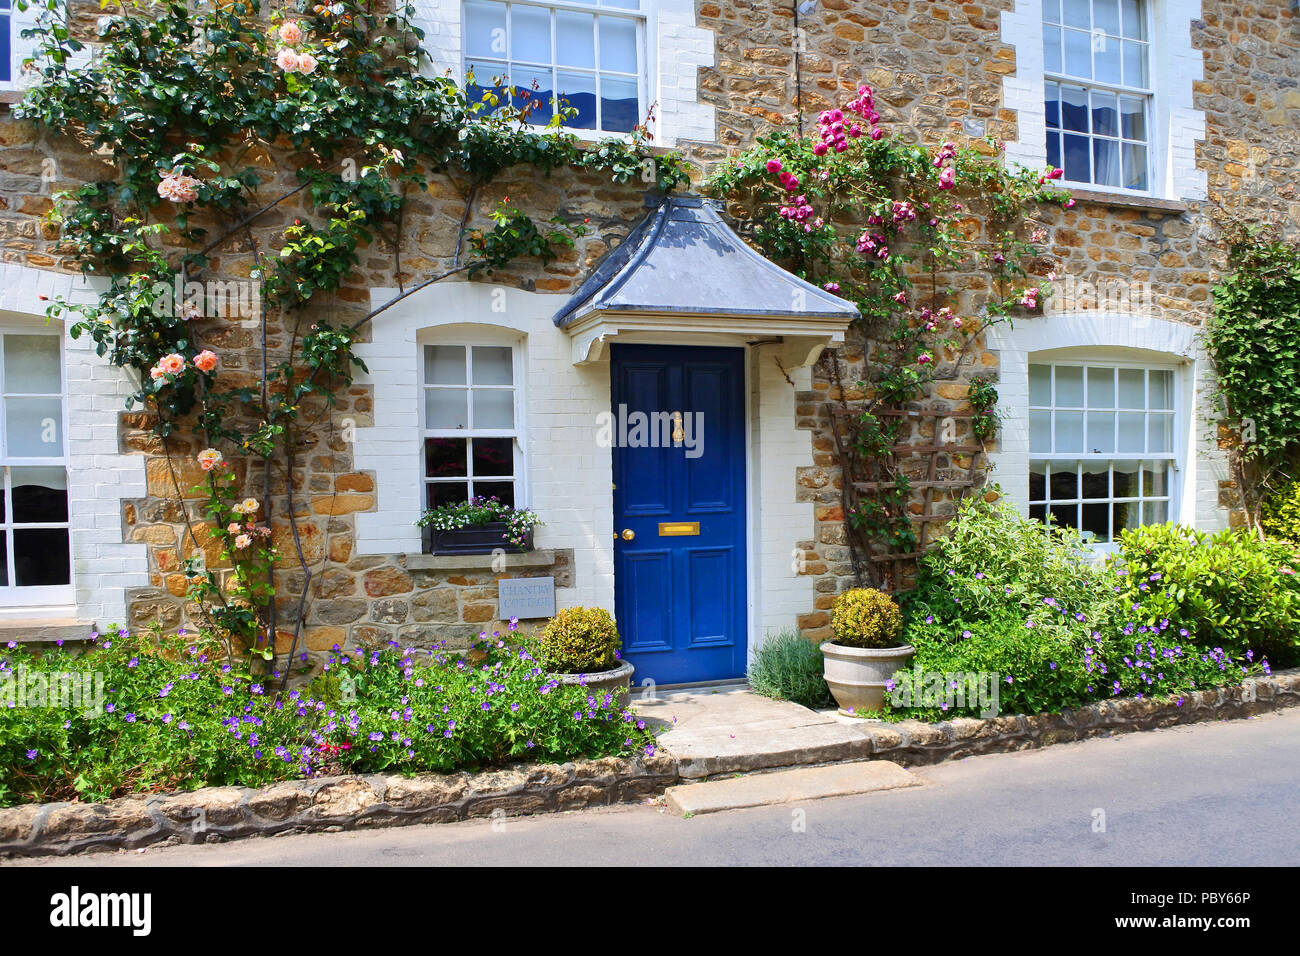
[(471, 416), (6, 42), (591, 53), (35, 563), (1101, 446), (1097, 56)]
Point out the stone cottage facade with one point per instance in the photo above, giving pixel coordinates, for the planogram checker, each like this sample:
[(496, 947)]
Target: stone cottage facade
[(1159, 111)]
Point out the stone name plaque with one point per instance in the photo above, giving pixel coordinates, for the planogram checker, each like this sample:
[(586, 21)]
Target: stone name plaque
[(526, 597)]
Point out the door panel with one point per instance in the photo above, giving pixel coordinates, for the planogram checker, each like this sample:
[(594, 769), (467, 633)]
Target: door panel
[(679, 464)]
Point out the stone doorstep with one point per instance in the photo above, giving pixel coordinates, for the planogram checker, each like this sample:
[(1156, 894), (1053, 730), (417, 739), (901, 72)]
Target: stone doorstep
[(788, 786)]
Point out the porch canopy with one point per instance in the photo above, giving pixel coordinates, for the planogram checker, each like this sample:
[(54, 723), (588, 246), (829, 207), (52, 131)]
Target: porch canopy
[(683, 276)]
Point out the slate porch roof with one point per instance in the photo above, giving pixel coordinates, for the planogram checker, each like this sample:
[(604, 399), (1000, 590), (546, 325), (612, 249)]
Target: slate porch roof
[(682, 259)]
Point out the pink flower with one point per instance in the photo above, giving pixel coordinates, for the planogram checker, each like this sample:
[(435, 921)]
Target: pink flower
[(1069, 204), (774, 165), (900, 297), (924, 358), (819, 149), (306, 63), (205, 361), (1030, 298), (172, 364), (287, 60), (948, 178), (178, 188), (877, 133), (210, 458), (1056, 174), (243, 541), (832, 287), (233, 527), (290, 32)]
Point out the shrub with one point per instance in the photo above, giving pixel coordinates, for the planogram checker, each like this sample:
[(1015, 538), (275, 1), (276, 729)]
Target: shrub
[(788, 666), (1228, 590), (580, 640), (865, 617), (1280, 513)]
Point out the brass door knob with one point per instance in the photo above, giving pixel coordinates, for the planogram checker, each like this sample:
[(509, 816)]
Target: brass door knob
[(628, 534)]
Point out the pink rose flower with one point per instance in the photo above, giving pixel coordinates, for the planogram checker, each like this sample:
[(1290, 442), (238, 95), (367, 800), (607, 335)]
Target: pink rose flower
[(243, 541), (774, 165), (178, 188), (948, 178), (290, 32), (287, 60), (306, 63), (210, 458)]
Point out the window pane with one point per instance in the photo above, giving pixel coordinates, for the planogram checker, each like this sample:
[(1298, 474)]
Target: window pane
[(620, 109), (1135, 64), (1095, 525), (485, 29), (533, 90), (1105, 162), (1094, 480), (445, 457), (1105, 58), (1126, 515), (1053, 149), (1069, 386), (1040, 432), (1101, 388), (1155, 512), (1040, 385), (4, 559), (1064, 516), (1101, 432), (446, 493), (575, 39), (1052, 49), (1135, 166), (34, 427), (1077, 13), (32, 365), (1078, 54), (494, 456), (530, 34), (1052, 10), (1132, 393), (1076, 159), (444, 365), (40, 495), (1105, 16), (1135, 24), (493, 365), (1074, 108), (1162, 388), (41, 557), (1133, 113), (1105, 114), (445, 408), (1155, 479), (1124, 477), (504, 491), (1038, 512), (1063, 481), (1052, 104), (1132, 432), (618, 44), (1037, 481), (494, 408), (578, 92), (1160, 433), (619, 4), (1069, 432)]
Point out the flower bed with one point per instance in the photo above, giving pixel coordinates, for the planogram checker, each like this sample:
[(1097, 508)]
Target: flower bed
[(173, 716)]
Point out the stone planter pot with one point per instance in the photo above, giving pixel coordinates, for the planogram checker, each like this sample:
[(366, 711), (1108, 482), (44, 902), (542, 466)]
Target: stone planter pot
[(857, 675), (474, 539), (617, 681)]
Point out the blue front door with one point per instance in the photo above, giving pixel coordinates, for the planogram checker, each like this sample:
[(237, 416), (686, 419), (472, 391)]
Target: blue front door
[(679, 510)]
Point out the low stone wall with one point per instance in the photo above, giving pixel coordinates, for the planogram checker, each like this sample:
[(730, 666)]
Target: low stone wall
[(913, 743), (218, 814)]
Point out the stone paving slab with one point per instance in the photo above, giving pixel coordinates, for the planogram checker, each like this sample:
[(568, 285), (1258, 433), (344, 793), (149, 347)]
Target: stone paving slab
[(730, 729), (788, 786)]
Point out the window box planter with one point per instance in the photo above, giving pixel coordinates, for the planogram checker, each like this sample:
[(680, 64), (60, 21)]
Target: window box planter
[(473, 539)]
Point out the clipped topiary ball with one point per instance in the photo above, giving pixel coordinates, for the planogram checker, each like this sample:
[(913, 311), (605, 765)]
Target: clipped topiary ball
[(865, 617), (580, 640)]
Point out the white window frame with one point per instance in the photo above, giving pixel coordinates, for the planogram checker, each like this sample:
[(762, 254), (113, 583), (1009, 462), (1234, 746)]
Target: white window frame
[(519, 476), (41, 596), (1148, 94), (1174, 457), (644, 19)]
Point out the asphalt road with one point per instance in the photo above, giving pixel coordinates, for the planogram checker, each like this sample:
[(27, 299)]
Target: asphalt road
[(1222, 794)]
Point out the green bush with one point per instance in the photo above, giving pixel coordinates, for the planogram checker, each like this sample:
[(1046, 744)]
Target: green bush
[(788, 666), (580, 640), (865, 617), (1280, 513), (173, 717), (1229, 590)]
